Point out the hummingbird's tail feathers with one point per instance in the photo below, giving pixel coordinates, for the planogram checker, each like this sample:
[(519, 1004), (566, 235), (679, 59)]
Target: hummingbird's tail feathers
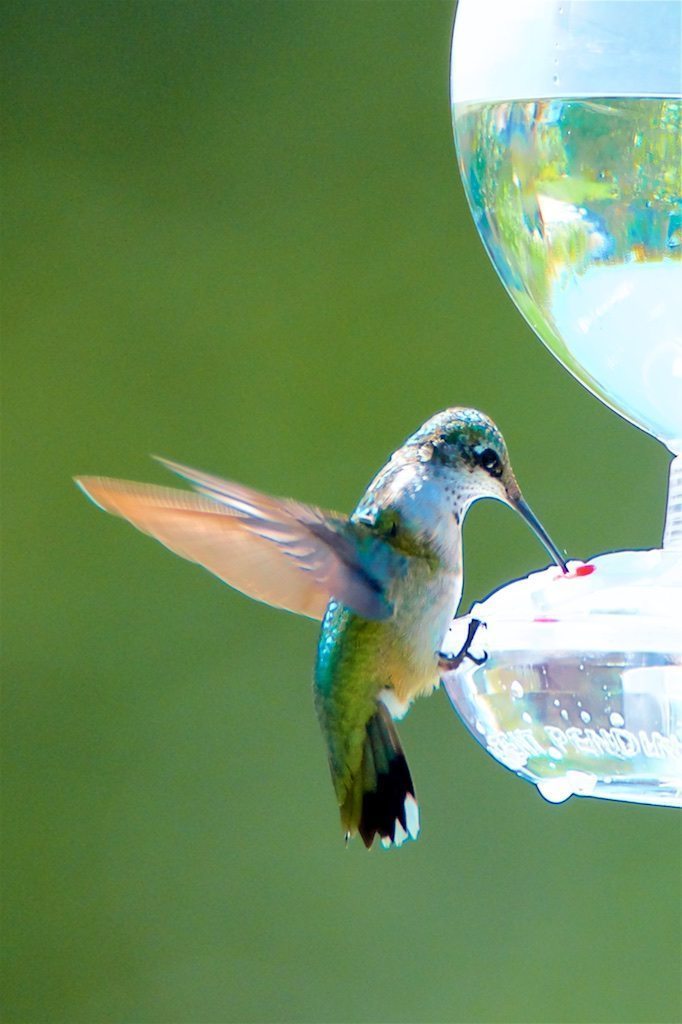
[(278, 551), (381, 801)]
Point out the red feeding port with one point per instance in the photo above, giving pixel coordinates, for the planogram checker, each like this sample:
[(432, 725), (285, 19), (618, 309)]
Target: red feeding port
[(584, 570), (581, 570)]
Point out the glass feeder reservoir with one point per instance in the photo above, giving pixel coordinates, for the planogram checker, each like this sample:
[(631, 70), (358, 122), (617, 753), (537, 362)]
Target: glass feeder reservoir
[(567, 126)]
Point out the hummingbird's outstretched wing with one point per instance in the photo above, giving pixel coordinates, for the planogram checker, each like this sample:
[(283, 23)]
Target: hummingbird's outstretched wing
[(279, 551)]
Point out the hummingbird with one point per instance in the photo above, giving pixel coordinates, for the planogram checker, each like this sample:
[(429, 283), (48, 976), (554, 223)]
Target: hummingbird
[(385, 582)]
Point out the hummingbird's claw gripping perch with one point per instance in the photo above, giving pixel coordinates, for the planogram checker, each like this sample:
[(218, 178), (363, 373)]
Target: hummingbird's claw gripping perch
[(449, 662)]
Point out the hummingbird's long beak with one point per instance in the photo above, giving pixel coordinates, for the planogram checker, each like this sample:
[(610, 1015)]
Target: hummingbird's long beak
[(517, 501)]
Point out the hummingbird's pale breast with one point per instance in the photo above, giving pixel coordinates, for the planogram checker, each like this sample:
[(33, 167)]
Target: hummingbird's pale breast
[(424, 599)]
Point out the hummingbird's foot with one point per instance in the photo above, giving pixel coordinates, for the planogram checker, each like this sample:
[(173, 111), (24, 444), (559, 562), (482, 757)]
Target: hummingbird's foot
[(449, 662)]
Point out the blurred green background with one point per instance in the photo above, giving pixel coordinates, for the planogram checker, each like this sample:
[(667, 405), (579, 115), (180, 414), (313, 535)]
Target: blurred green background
[(234, 234)]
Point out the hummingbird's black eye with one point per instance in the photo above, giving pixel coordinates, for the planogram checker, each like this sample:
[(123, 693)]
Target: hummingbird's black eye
[(490, 461)]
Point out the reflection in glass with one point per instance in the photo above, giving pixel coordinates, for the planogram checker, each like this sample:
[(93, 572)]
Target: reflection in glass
[(579, 204)]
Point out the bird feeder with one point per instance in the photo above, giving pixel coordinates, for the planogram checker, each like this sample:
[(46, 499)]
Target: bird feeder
[(567, 127)]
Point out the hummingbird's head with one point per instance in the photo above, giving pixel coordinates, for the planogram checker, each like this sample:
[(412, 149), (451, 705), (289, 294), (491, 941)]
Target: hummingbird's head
[(468, 455), (468, 452)]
